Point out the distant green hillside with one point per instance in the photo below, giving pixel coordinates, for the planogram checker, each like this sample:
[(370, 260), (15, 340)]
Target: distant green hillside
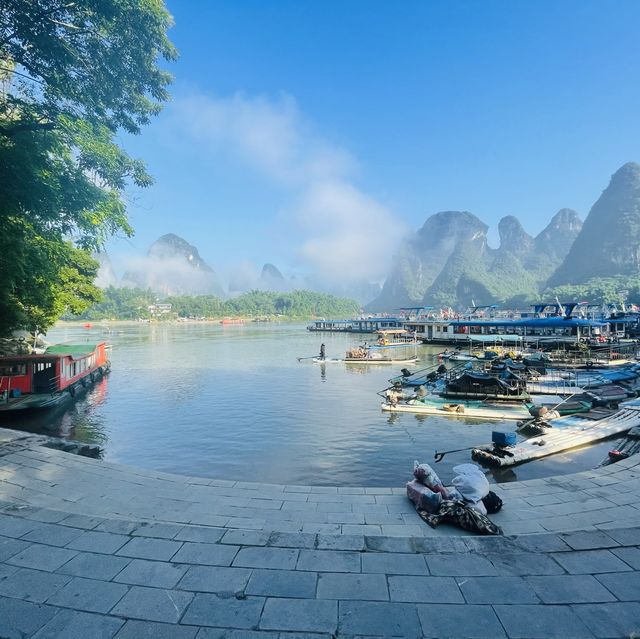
[(134, 303)]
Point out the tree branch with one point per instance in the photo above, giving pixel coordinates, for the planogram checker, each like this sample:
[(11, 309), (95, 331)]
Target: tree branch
[(10, 131), (23, 75)]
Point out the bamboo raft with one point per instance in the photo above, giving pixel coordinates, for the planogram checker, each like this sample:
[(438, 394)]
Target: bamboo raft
[(566, 433), (469, 409), (628, 446)]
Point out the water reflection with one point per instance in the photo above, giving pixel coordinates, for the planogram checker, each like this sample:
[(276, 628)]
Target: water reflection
[(79, 419), (231, 403)]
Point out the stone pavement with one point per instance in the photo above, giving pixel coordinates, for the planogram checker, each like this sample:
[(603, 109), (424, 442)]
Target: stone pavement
[(92, 549)]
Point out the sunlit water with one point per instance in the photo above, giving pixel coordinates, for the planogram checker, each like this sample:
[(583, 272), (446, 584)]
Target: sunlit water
[(233, 402)]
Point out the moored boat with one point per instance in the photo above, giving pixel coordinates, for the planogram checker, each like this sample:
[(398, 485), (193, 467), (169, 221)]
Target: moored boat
[(394, 338), (363, 355), (371, 359), (462, 356), (629, 445), (562, 408), (477, 385), (567, 433), (475, 409), (33, 382)]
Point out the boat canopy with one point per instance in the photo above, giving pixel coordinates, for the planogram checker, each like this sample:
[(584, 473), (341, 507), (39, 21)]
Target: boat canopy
[(75, 351), (542, 322)]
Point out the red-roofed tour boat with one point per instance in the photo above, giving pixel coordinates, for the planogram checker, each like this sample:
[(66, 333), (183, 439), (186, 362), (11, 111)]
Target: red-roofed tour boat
[(32, 382)]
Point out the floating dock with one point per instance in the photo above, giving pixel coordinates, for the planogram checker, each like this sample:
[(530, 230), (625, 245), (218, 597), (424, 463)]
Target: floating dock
[(565, 433)]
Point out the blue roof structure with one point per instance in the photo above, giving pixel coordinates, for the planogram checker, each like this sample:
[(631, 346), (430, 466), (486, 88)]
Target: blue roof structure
[(536, 322)]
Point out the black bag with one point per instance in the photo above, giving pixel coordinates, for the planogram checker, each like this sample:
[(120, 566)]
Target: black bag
[(492, 503)]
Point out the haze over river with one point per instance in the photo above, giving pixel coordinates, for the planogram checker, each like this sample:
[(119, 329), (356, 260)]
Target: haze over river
[(233, 402)]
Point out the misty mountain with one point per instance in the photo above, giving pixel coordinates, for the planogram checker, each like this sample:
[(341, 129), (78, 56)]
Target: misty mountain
[(271, 279), (172, 266), (244, 277), (558, 237), (609, 243), (449, 262), (422, 256)]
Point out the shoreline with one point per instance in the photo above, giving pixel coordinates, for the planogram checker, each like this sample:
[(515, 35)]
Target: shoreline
[(119, 322)]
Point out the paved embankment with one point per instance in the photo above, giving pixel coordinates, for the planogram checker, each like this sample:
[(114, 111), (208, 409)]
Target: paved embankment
[(91, 549)]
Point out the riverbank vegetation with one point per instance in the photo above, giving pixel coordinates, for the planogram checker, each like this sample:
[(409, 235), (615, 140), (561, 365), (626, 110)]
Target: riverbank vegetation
[(135, 303), (72, 76), (601, 290)]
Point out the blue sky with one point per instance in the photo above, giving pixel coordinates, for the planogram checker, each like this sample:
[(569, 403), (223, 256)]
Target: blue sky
[(313, 134)]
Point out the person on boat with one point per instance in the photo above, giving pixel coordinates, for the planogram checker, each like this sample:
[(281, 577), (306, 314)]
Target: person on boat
[(322, 352)]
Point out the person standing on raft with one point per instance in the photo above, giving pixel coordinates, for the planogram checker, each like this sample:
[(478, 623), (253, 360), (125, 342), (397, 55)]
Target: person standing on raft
[(322, 352)]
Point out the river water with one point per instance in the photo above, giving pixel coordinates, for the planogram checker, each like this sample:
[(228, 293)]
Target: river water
[(233, 402)]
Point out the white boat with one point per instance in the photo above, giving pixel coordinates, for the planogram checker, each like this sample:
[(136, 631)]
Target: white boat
[(364, 360), (362, 355), (462, 356), (566, 433), (447, 408), (394, 338)]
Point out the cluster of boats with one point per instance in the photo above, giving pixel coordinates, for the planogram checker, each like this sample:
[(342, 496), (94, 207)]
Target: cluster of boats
[(557, 406), (504, 388)]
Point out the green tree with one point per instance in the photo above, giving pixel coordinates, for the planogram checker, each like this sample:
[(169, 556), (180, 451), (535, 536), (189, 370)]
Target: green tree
[(72, 75), (132, 303)]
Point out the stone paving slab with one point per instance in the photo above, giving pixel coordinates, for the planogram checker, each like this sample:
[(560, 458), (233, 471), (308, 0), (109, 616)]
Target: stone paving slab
[(67, 483), (89, 549)]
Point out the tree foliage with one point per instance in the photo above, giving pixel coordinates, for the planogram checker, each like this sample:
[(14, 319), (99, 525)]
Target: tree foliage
[(72, 75), (134, 303), (601, 290)]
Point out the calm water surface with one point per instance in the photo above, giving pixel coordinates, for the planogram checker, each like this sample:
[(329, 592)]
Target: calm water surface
[(233, 402)]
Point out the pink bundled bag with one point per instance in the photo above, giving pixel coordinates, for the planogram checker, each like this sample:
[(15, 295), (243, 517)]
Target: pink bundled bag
[(423, 497), (426, 476)]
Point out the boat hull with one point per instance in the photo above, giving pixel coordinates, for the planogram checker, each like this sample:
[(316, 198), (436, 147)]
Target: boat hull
[(35, 402), (472, 410), (364, 360)]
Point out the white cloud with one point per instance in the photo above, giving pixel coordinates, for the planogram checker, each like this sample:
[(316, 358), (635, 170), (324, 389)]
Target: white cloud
[(169, 276), (346, 233), (350, 234)]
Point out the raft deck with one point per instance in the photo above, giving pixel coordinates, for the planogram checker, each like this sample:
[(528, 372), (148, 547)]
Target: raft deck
[(566, 433)]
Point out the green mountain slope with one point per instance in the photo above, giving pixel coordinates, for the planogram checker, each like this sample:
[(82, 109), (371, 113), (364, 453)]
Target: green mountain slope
[(609, 243)]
